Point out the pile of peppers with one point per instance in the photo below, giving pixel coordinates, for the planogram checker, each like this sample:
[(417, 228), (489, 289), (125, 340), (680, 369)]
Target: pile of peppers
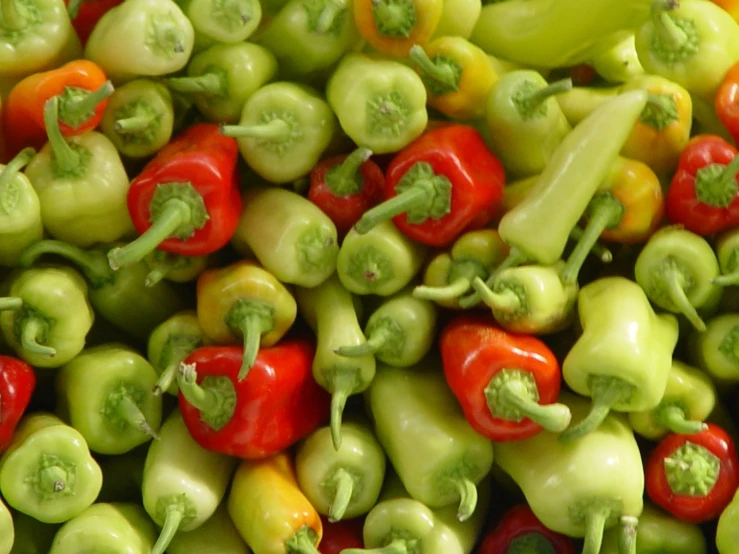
[(369, 276)]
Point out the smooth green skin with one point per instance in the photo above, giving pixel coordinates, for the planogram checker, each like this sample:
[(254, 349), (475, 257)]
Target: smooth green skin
[(358, 93), (458, 18), (87, 205), (96, 377), (424, 433), (580, 102), (619, 63), (659, 533), (622, 338), (38, 435), (139, 98), (523, 139), (289, 235), (221, 21), (381, 261), (122, 478), (115, 528), (542, 33), (247, 67), (20, 217), (158, 40), (727, 532), (218, 535), (716, 350), (58, 295), (575, 171), (360, 456), (7, 531), (31, 536)]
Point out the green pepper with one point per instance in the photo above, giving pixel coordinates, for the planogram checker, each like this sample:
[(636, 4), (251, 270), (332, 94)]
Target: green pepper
[(676, 268), (123, 477), (526, 123), (727, 252), (619, 63), (177, 268), (221, 21), (116, 527), (46, 315), (139, 118), (222, 78), (579, 102), (20, 210), (47, 472), (218, 535), (329, 311), (458, 18), (141, 38), (623, 357), (437, 454), (121, 296), (31, 535), (380, 103), (727, 531), (7, 530), (289, 235), (716, 350)]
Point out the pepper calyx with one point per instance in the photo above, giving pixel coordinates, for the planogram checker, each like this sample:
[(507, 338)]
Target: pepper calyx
[(77, 105), (440, 74), (394, 18), (675, 39), (595, 515), (384, 336), (345, 178), (175, 349), (122, 409), (670, 283), (172, 512), (387, 113), (54, 477), (660, 112), (232, 15), (302, 542), (215, 398), (164, 35), (137, 122), (716, 184), (370, 266), (9, 190), (692, 470), (729, 345), (316, 249), (529, 98)]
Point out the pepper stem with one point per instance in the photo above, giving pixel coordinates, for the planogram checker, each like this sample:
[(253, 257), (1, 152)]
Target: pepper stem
[(449, 292), (52, 479), (74, 112), (441, 73), (166, 378), (673, 279), (344, 490), (328, 16), (372, 345), (15, 165), (507, 301), (345, 178), (343, 384), (406, 200), (252, 326), (670, 33), (398, 546), (627, 536), (692, 470), (209, 84), (13, 17), (595, 525), (606, 392), (727, 280), (467, 498), (302, 542), (65, 157), (536, 97), (203, 400), (31, 328), (159, 272), (673, 417), (276, 129), (552, 417), (73, 8), (133, 125), (514, 259), (10, 303), (598, 250), (129, 412), (93, 265), (169, 529)]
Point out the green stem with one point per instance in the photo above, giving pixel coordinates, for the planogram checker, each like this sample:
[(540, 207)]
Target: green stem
[(536, 97), (133, 125), (451, 291), (676, 292), (552, 417), (398, 546), (595, 525), (132, 414), (276, 129), (65, 157), (10, 303), (169, 529), (670, 33), (209, 84), (13, 19), (79, 110), (166, 378), (371, 346), (203, 400), (302, 542), (343, 385), (344, 490), (328, 16), (441, 73), (467, 498), (406, 200), (606, 392), (507, 302), (94, 266), (726, 280), (627, 536), (598, 250), (345, 178), (157, 274), (673, 417), (73, 8), (32, 327), (53, 479), (251, 329), (11, 170), (514, 259)]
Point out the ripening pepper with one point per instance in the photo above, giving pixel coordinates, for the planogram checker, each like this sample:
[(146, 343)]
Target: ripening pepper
[(17, 383)]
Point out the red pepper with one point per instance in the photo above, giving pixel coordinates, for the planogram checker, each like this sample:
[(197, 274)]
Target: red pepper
[(506, 383), (445, 182), (521, 531), (346, 533), (86, 13), (693, 477), (704, 192), (345, 187), (726, 101), (277, 404), (17, 381), (186, 200), (582, 75)]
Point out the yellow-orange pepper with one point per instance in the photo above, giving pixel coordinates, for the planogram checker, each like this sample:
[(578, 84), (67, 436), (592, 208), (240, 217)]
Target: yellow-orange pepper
[(730, 6)]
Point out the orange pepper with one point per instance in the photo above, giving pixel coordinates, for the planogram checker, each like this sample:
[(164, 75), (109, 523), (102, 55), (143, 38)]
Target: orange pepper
[(731, 6)]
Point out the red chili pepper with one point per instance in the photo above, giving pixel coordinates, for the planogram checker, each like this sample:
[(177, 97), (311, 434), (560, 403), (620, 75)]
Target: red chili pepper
[(186, 200), (277, 404), (704, 192), (694, 477), (345, 187), (86, 13), (726, 101), (439, 186), (346, 533), (17, 381), (506, 383), (521, 531)]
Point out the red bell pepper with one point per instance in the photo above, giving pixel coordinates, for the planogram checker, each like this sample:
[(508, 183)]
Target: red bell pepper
[(506, 383), (345, 187), (693, 477), (277, 404), (17, 381), (445, 182), (346, 533), (86, 13), (520, 531), (704, 192), (186, 200)]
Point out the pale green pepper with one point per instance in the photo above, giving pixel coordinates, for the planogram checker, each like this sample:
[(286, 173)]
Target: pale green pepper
[(7, 530), (221, 21)]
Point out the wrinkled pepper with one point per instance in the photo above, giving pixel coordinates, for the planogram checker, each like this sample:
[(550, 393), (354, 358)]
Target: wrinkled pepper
[(17, 383), (520, 531)]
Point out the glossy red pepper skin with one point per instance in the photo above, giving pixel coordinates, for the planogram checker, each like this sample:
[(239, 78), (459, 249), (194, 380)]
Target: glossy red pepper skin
[(17, 383), (89, 13), (519, 523), (346, 533), (694, 508), (726, 101), (277, 404)]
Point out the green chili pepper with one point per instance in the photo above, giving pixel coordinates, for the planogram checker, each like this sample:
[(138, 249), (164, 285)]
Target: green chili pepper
[(46, 315), (218, 535), (619, 63), (623, 357), (289, 235), (115, 527), (437, 454), (676, 268), (123, 477), (222, 78), (47, 472), (7, 530), (31, 535), (329, 311), (183, 483), (177, 268), (221, 21), (121, 296), (716, 350), (380, 103), (139, 118), (141, 38)]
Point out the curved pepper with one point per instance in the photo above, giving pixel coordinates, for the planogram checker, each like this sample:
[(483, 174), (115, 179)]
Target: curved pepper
[(619, 63), (520, 531), (17, 383), (392, 27)]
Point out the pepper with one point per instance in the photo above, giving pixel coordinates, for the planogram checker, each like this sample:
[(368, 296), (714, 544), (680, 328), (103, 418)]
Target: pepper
[(159, 40), (244, 299), (186, 200), (400, 331), (619, 63), (122, 477), (526, 124), (439, 457), (623, 358), (85, 14), (17, 383), (48, 472), (81, 185), (139, 118), (221, 22), (714, 350), (458, 18), (46, 315), (726, 531), (119, 297), (727, 252), (7, 537), (224, 76), (340, 535), (218, 535), (274, 407), (173, 267), (676, 268), (392, 28), (519, 530), (183, 482), (31, 536), (726, 99), (442, 184), (329, 311), (380, 103), (289, 235)]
